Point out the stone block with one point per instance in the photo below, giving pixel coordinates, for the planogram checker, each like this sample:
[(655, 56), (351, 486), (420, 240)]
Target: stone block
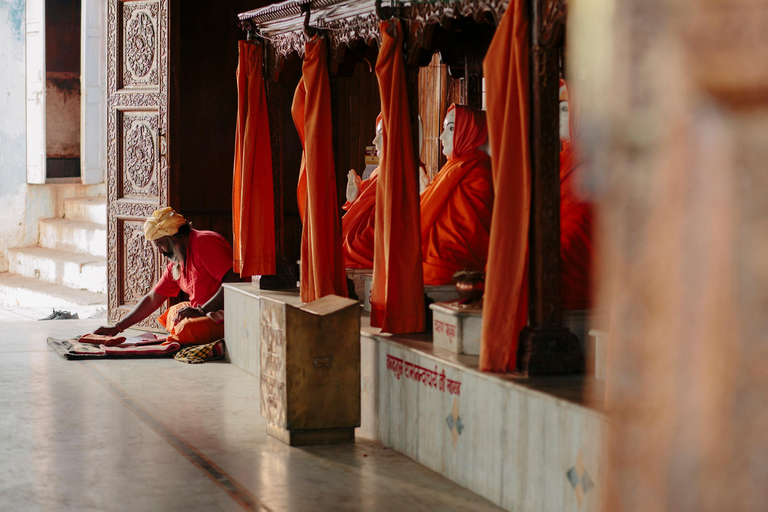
[(456, 327), (310, 369)]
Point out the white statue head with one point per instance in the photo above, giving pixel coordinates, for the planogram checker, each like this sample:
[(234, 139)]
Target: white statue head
[(378, 140), (446, 137)]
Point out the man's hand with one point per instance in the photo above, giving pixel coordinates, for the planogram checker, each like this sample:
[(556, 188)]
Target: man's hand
[(187, 312), (353, 185), (106, 330)]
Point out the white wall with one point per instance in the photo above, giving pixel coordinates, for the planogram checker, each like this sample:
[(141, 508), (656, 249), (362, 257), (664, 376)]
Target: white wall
[(22, 205), (12, 127)]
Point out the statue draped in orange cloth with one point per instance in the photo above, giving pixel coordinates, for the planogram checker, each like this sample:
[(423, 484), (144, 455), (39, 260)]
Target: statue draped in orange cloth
[(456, 206), (357, 225), (575, 218)]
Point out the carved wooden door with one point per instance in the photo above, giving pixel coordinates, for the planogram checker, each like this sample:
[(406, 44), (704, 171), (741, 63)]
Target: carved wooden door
[(137, 146)]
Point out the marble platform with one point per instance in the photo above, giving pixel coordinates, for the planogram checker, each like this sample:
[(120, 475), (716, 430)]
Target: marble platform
[(242, 330), (524, 444)]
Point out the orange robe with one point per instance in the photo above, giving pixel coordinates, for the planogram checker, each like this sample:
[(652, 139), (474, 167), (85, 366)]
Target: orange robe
[(322, 267), (575, 236), (253, 214), (505, 306), (456, 218), (397, 291), (357, 225)]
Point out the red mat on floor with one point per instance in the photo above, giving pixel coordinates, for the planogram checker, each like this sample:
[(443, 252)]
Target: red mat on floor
[(141, 346)]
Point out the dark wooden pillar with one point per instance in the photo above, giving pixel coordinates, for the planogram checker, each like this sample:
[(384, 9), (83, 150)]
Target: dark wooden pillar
[(545, 345)]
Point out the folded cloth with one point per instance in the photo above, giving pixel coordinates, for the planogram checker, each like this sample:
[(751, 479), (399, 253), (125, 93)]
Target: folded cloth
[(101, 339), (83, 348), (144, 350), (201, 353), (146, 338)]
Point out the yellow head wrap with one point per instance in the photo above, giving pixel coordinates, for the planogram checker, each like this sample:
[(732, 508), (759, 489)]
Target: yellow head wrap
[(163, 222)]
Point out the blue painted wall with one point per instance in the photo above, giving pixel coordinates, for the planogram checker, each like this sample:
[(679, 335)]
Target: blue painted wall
[(13, 186)]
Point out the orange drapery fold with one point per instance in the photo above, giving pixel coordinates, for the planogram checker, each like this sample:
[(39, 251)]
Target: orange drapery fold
[(505, 309), (253, 214), (322, 267), (397, 290)]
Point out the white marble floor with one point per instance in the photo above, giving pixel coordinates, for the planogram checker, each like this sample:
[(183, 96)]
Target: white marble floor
[(160, 435)]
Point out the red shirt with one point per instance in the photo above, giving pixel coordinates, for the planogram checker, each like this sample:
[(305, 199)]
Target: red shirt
[(209, 257)]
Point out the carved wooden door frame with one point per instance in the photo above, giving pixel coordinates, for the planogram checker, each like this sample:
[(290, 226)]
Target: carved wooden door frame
[(137, 145)]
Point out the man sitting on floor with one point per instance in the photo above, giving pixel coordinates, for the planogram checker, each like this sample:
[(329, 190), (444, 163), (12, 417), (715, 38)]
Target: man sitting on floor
[(199, 262)]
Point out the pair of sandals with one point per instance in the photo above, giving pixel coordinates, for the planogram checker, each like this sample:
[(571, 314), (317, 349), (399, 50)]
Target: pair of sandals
[(61, 315)]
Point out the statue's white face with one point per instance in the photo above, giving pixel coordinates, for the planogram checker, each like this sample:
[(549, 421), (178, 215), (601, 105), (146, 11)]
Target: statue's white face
[(378, 140), (565, 130), (447, 136)]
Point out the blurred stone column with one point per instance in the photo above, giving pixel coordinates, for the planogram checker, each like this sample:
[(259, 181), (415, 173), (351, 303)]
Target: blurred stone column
[(681, 173)]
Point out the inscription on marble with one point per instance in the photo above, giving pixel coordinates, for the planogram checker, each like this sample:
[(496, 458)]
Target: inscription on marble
[(430, 378)]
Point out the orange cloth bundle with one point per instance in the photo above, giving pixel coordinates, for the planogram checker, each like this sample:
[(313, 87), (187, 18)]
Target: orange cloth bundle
[(190, 331), (358, 225), (322, 263), (101, 339), (505, 308), (397, 290), (456, 207), (253, 214)]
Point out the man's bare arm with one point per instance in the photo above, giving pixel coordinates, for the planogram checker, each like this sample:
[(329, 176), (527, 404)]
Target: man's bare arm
[(146, 306)]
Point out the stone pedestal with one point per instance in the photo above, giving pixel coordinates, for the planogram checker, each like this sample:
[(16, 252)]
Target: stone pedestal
[(310, 370), (456, 327), (357, 276)]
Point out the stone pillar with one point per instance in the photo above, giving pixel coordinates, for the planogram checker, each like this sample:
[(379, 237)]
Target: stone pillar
[(684, 209)]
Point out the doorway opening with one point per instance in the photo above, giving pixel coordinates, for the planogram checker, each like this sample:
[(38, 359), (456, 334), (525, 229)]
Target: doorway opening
[(62, 88)]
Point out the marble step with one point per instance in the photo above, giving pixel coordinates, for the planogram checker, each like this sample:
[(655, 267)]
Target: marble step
[(22, 291), (90, 209), (75, 270), (74, 235)]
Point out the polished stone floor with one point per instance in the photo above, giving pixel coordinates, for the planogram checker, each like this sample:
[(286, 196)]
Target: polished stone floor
[(160, 435)]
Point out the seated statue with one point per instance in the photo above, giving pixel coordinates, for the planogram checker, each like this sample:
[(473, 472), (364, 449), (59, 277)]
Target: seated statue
[(575, 219), (357, 225), (456, 206)]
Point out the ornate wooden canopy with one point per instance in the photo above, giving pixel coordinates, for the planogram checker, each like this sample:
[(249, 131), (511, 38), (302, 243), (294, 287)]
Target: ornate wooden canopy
[(346, 23)]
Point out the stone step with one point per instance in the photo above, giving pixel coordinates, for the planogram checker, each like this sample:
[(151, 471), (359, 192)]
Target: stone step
[(74, 235), (75, 270), (22, 291), (90, 209)]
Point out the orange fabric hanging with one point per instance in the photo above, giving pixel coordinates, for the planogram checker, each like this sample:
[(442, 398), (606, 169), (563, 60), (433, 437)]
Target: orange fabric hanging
[(322, 267), (397, 290), (297, 112), (358, 225), (505, 309), (456, 206), (253, 214)]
